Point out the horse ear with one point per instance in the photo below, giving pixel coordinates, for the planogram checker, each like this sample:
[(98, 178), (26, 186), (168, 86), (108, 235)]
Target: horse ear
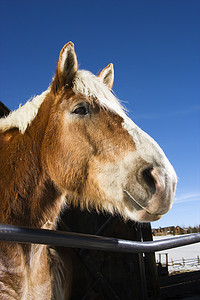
[(66, 68), (107, 75)]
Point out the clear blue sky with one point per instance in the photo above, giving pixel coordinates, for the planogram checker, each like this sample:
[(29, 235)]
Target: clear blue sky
[(155, 48)]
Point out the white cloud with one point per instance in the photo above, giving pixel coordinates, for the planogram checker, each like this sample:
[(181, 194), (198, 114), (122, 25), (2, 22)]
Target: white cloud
[(186, 198)]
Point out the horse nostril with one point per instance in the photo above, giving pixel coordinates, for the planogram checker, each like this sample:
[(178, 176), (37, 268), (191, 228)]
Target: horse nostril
[(149, 179)]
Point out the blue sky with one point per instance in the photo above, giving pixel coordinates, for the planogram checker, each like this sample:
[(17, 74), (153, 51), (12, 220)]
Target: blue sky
[(155, 48)]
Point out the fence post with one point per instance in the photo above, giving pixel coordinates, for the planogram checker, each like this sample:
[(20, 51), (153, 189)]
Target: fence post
[(143, 283), (150, 265), (166, 260), (183, 260), (159, 255), (172, 262)]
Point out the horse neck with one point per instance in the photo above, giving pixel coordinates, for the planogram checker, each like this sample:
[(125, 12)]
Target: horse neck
[(28, 195)]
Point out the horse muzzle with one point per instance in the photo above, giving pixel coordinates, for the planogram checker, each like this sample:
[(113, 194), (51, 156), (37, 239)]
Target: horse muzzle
[(156, 192)]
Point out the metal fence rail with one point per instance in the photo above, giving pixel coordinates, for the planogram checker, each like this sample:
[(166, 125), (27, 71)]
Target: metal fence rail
[(10, 233)]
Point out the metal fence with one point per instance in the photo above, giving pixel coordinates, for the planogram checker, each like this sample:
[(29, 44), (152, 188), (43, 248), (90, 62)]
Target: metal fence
[(10, 233)]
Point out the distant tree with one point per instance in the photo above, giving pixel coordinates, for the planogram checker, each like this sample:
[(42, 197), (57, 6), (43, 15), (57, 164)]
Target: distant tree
[(189, 229), (194, 229)]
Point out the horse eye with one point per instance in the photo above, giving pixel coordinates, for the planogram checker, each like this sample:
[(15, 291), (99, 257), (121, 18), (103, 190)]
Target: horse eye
[(81, 110)]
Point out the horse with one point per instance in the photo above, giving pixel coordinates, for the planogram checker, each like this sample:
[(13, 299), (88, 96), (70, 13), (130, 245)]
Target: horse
[(72, 145)]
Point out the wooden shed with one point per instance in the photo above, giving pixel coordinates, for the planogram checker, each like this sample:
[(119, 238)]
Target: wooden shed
[(4, 110)]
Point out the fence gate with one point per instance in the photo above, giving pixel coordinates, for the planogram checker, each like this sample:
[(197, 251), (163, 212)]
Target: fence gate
[(108, 275)]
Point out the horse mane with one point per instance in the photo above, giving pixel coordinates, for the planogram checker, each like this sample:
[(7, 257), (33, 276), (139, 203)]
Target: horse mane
[(84, 83), (24, 115)]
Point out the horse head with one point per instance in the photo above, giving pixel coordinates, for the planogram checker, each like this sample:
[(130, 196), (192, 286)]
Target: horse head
[(95, 154)]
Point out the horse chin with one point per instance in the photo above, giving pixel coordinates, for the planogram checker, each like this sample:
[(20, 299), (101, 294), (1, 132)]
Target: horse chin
[(148, 213), (144, 216), (141, 215)]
